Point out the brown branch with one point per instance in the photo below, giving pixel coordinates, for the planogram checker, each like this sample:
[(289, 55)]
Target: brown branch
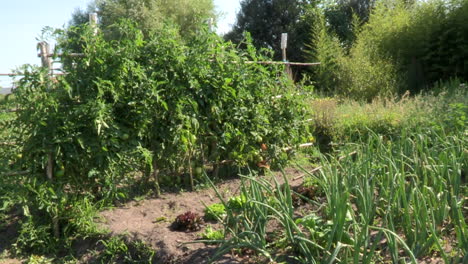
[(320, 167), (284, 63), (16, 173), (7, 143)]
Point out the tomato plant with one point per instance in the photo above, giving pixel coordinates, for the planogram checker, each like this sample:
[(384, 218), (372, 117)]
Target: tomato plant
[(153, 103)]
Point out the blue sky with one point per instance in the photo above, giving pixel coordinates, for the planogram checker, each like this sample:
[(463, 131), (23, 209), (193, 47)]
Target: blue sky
[(21, 22)]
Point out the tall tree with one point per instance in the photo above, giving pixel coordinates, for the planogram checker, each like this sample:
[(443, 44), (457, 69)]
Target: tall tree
[(265, 20), (341, 13), (187, 15)]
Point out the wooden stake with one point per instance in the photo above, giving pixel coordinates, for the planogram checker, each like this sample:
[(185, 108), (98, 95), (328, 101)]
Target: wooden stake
[(50, 167), (155, 174), (284, 46), (93, 22), (192, 184), (44, 50), (210, 24), (215, 172), (305, 145), (47, 63)]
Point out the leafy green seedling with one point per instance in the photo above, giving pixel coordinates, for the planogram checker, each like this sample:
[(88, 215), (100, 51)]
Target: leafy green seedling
[(212, 234), (215, 212), (160, 219)]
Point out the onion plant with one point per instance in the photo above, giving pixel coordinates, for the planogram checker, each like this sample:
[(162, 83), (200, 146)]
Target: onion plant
[(397, 200)]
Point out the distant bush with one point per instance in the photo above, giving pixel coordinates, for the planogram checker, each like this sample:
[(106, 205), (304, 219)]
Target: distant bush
[(402, 47), (358, 73)]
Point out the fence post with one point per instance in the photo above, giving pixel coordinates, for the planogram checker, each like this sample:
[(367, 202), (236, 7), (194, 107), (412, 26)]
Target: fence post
[(44, 50), (93, 22), (210, 24), (284, 46), (47, 63)]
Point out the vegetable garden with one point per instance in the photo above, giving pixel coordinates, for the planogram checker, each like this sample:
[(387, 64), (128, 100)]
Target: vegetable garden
[(142, 114)]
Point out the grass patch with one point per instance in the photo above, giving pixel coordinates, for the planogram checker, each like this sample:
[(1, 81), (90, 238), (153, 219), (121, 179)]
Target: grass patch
[(344, 120)]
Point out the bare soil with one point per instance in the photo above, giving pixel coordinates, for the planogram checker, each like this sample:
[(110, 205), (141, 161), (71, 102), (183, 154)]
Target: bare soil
[(142, 220), (8, 233)]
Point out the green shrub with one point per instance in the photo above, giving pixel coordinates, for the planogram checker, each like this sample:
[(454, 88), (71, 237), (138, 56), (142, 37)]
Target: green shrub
[(402, 47), (359, 73)]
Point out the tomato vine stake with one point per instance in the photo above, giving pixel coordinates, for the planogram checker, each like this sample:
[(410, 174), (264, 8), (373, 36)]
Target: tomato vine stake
[(46, 60), (44, 49), (155, 174)]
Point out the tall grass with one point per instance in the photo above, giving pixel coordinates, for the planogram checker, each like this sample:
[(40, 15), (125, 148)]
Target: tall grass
[(348, 120), (396, 201)]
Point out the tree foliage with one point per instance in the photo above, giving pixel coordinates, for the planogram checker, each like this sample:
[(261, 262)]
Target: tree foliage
[(340, 15), (404, 46), (151, 15), (265, 20)]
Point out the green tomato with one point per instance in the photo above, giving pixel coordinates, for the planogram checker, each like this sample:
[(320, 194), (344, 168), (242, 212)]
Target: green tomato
[(125, 136), (19, 156), (193, 139), (258, 159), (259, 139), (198, 170)]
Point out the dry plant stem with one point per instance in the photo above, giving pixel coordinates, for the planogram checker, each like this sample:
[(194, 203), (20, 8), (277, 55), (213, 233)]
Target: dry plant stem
[(320, 167), (215, 172), (9, 111), (192, 187), (7, 143), (16, 173), (50, 174)]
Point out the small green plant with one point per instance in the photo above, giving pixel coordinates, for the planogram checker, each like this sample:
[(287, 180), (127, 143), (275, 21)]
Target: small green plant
[(35, 237), (119, 249), (160, 219), (35, 259), (317, 228), (215, 212), (212, 234), (236, 203), (114, 246)]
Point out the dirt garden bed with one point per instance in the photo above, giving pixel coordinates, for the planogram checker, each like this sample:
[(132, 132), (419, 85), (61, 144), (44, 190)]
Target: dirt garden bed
[(150, 221)]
